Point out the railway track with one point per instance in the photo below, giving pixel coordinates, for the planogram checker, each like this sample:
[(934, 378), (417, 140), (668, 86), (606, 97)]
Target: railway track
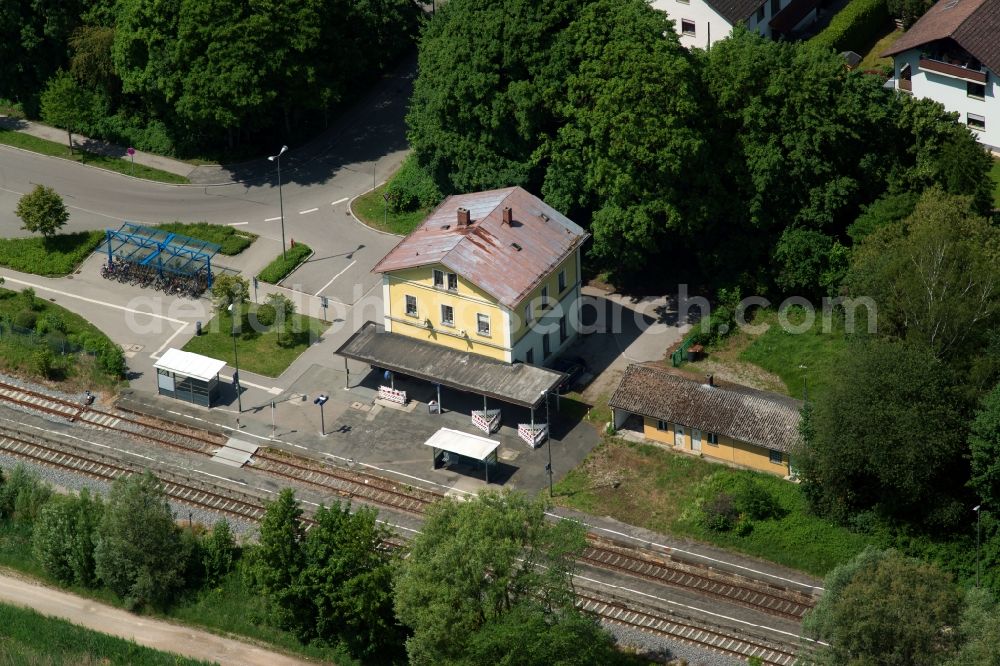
[(369, 488), (612, 609), (773, 600), (59, 455)]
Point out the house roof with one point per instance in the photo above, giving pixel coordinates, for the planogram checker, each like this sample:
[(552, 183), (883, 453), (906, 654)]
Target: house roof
[(973, 24), (506, 261), (766, 419), (735, 11)]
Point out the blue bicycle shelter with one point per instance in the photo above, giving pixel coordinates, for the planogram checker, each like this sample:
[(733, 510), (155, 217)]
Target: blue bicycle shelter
[(160, 249)]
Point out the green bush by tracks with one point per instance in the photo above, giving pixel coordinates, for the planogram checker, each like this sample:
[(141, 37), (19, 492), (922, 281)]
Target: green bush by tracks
[(53, 257), (277, 270), (28, 637), (856, 27), (232, 241)]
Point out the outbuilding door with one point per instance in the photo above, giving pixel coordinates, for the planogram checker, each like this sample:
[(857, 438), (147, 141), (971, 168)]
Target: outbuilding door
[(695, 439), (679, 436)]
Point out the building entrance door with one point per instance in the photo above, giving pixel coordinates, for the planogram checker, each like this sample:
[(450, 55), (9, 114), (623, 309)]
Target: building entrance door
[(695, 439)]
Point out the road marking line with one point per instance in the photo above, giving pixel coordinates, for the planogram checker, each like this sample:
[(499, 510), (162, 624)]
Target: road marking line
[(214, 476), (306, 212), (156, 355), (340, 201), (95, 301), (335, 277), (272, 219), (256, 386), (236, 224)]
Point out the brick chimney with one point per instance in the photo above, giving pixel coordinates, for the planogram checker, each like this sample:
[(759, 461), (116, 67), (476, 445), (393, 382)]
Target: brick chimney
[(508, 215), (463, 217)]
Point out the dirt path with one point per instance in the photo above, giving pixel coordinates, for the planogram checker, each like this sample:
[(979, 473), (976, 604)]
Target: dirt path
[(146, 631)]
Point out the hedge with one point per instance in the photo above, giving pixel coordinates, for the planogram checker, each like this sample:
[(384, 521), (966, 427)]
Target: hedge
[(856, 27), (276, 271), (232, 242)]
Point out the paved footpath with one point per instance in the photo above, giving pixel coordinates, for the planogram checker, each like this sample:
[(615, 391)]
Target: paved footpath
[(146, 631)]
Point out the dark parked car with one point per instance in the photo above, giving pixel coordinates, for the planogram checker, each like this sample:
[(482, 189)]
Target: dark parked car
[(574, 368)]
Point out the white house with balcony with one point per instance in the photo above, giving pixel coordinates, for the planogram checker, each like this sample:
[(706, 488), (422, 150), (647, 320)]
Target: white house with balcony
[(701, 23), (952, 55)]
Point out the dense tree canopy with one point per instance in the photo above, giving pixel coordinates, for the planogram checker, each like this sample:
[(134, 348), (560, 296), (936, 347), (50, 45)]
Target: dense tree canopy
[(886, 609), (888, 437), (984, 446)]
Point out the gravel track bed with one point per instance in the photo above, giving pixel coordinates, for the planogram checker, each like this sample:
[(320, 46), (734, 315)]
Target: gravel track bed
[(663, 650), (63, 479)]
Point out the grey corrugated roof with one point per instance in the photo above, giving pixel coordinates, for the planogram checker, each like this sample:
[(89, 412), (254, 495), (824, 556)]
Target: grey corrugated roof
[(484, 252), (735, 11), (757, 417), (515, 383), (973, 24)]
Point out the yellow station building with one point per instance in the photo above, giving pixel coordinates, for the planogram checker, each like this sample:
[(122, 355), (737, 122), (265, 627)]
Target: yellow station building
[(719, 421), (493, 273)]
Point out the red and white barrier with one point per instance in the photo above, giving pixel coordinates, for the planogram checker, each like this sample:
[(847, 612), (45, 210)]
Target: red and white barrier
[(533, 435), (487, 420), (392, 395)]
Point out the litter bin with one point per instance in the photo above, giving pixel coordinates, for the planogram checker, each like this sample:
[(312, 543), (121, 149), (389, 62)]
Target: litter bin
[(433, 407), (197, 328)]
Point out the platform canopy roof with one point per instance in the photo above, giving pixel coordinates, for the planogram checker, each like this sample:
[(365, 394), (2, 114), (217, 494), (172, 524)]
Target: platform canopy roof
[(190, 365), (462, 443), (514, 383)]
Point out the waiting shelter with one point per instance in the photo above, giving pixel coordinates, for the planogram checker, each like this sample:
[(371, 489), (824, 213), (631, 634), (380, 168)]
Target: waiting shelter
[(451, 447), (189, 377)]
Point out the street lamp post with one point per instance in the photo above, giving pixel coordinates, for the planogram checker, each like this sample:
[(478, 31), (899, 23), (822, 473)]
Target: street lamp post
[(548, 439), (978, 510), (236, 356), (321, 400), (281, 201)]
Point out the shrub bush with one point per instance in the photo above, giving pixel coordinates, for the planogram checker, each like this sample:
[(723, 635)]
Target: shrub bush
[(43, 362), (22, 496), (412, 188), (111, 359), (26, 319), (231, 242), (50, 322), (757, 502), (720, 513), (856, 27), (264, 315), (278, 269)]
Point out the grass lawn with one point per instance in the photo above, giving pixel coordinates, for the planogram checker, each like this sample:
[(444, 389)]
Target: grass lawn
[(55, 257), (260, 351), (995, 174), (232, 242), (45, 147), (872, 59), (370, 209), (75, 371), (285, 263), (27, 637), (650, 487)]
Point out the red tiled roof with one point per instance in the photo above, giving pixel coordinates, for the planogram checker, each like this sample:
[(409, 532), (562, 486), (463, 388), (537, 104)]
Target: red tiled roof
[(506, 261), (973, 24)]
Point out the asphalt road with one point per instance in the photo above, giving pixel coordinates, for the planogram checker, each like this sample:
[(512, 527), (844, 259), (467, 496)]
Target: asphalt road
[(365, 145)]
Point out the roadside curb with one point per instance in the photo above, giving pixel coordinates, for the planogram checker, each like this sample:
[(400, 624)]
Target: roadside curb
[(350, 209), (91, 166), (292, 272)]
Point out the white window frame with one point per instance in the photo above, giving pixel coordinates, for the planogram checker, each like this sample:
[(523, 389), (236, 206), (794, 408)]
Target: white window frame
[(444, 320), (529, 317), (438, 279), (480, 318), (772, 455), (968, 94), (452, 280), (407, 299), (712, 438), (970, 117), (662, 425), (562, 281), (689, 33), (545, 296)]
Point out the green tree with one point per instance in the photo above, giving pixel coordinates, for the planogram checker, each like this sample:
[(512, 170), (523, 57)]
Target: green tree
[(284, 309), (64, 537), (630, 149), (218, 552), (935, 276), (860, 451), (278, 559), (23, 495), (884, 608), (345, 586), (92, 62), (979, 631), (67, 104), (229, 289), (138, 553), (42, 211), (473, 563), (984, 446)]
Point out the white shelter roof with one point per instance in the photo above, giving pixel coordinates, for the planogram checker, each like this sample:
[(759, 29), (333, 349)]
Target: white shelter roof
[(462, 443), (190, 365)]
